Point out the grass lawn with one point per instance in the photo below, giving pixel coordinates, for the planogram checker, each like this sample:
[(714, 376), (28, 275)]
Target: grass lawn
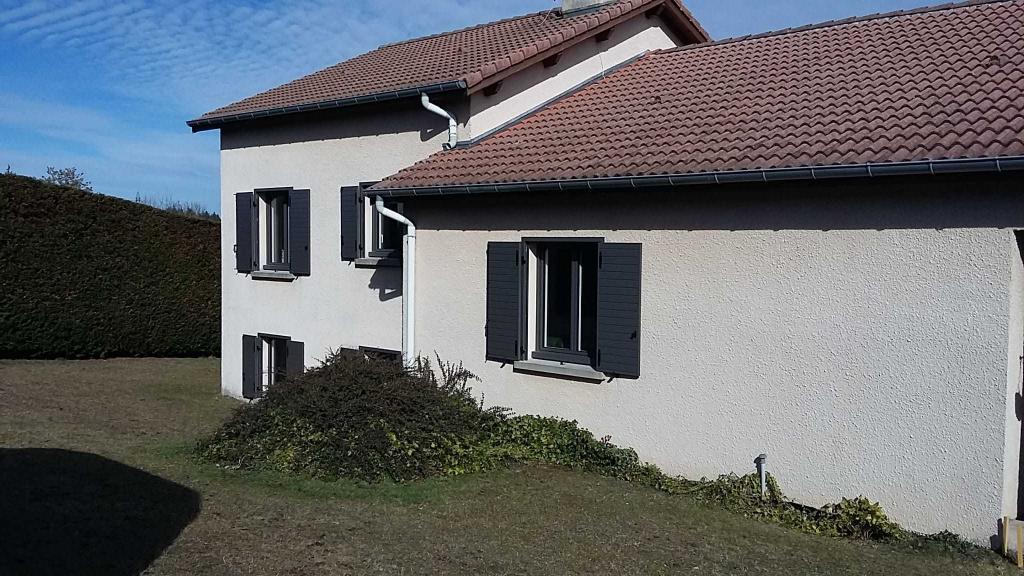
[(95, 478)]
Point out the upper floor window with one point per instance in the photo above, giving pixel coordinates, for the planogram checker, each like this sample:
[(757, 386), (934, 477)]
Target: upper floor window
[(367, 236), (275, 241), (280, 244), (386, 233)]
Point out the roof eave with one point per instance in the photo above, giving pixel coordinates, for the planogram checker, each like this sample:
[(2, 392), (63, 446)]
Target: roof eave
[(989, 165), (215, 122)]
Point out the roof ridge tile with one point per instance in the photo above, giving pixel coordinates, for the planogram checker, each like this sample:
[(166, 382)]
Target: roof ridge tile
[(837, 23), (465, 30)]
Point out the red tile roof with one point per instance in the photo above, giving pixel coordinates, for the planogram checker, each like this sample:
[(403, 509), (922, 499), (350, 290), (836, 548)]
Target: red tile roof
[(933, 84), (467, 57)]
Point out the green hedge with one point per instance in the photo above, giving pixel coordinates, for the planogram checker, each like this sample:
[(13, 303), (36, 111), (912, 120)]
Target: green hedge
[(85, 275)]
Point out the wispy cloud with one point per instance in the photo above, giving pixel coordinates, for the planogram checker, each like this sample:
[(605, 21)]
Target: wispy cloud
[(127, 159), (199, 54)]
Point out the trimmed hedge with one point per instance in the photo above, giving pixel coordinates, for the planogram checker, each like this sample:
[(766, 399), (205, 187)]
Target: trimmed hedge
[(84, 275)]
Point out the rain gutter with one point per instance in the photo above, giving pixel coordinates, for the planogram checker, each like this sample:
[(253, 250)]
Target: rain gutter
[(913, 168), (201, 124)]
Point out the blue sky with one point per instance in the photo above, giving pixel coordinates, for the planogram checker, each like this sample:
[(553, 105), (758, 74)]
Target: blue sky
[(107, 86)]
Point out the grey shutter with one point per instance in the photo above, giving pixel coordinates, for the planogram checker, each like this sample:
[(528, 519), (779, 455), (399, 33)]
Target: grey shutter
[(618, 309), (296, 358), (250, 366), (244, 231), (504, 312), (298, 232), (351, 223)]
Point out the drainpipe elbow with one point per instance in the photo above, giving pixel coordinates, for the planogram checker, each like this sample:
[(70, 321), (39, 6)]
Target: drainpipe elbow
[(453, 125)]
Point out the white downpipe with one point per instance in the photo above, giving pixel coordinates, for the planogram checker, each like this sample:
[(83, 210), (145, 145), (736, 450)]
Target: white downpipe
[(453, 126), (408, 281)]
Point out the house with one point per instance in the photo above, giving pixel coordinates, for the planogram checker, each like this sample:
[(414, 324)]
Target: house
[(804, 243)]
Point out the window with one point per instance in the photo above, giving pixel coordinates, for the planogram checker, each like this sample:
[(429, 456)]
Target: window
[(275, 241), (386, 233), (367, 237), (381, 354), (274, 361), (267, 359), (564, 306), (565, 301), (281, 244)]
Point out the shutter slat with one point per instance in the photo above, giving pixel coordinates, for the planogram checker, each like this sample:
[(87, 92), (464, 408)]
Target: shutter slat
[(298, 232), (250, 366), (243, 232), (351, 223), (618, 309), (503, 301)]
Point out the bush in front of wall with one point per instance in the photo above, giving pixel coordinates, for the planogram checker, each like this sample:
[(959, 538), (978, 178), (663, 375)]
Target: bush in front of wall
[(374, 420), (556, 441), (356, 418), (83, 275)]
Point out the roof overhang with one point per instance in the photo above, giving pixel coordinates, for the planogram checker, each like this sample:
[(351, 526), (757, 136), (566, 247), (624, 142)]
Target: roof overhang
[(200, 124), (993, 165), (679, 20)]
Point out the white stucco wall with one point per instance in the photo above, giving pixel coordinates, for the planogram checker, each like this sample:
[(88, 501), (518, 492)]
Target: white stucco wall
[(862, 360), (1014, 382), (536, 85), (338, 304)]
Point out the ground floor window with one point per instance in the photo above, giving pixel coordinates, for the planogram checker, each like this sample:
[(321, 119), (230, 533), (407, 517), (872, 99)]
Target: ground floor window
[(557, 301), (565, 301), (274, 361), (385, 354), (268, 359)]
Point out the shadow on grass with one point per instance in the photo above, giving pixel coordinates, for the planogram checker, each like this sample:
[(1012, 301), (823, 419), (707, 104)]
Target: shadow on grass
[(64, 512)]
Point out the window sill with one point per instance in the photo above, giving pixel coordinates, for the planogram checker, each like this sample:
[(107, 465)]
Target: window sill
[(378, 262), (279, 276), (548, 367)]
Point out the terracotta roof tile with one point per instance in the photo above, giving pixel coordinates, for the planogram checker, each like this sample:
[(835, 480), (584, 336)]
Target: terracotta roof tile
[(470, 55), (934, 84)]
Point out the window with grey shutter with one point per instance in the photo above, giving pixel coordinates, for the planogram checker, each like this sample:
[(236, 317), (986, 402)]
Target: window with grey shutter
[(298, 232), (618, 309), (295, 364), (245, 212), (351, 222), (504, 311), (251, 356)]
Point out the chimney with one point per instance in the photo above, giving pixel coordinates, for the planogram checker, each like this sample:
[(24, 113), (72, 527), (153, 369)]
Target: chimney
[(576, 5)]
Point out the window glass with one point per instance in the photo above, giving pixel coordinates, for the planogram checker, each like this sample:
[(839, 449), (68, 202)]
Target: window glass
[(274, 234), (558, 297), (275, 357), (387, 233), (566, 302), (278, 238), (391, 232)]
